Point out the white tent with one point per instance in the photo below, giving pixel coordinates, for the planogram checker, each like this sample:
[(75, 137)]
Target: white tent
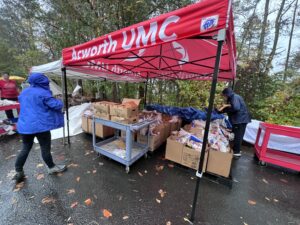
[(54, 69)]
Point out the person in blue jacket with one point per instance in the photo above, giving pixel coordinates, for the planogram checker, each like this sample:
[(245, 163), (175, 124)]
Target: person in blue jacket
[(40, 112), (238, 115)]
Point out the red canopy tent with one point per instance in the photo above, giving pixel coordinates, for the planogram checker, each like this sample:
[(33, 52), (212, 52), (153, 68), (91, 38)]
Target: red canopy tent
[(193, 43)]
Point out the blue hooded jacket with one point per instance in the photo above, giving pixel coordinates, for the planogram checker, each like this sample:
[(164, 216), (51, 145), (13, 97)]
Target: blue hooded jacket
[(39, 110), (238, 112)]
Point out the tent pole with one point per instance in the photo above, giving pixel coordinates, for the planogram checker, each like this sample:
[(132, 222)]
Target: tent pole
[(220, 39), (146, 90), (64, 100), (64, 74)]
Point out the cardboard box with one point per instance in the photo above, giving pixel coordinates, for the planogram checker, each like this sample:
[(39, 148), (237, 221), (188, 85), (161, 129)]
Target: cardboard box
[(120, 110), (100, 130), (191, 157), (174, 150), (102, 116), (219, 162), (85, 124), (155, 141), (167, 131), (124, 120), (103, 107)]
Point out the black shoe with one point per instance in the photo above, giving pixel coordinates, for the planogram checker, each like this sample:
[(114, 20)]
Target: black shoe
[(19, 177)]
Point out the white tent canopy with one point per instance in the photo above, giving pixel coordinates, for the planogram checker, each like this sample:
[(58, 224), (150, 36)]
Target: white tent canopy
[(54, 69)]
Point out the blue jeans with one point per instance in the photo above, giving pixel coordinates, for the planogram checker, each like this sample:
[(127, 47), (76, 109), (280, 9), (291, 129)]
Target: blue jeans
[(44, 139)]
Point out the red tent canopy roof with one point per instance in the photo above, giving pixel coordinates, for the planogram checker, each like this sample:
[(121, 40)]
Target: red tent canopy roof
[(175, 45)]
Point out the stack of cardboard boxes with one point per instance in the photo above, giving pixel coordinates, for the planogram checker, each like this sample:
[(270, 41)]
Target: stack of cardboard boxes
[(215, 162), (126, 112)]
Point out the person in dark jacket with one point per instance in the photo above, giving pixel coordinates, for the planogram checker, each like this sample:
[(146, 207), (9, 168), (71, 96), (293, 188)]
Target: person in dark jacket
[(40, 112), (238, 115)]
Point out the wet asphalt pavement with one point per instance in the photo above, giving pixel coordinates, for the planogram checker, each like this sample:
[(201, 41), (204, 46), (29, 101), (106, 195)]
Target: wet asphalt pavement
[(260, 195)]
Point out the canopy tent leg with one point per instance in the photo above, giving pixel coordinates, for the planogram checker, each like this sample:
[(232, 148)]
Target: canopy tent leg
[(63, 95), (220, 38), (64, 75)]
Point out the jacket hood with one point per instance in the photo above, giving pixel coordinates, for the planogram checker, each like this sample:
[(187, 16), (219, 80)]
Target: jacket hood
[(39, 80), (228, 92)]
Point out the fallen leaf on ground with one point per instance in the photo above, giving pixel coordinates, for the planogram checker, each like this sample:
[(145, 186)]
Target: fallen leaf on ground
[(39, 165), (265, 181), (275, 200), (171, 165), (187, 220), (106, 213), (125, 217), (168, 223), (101, 164), (87, 153), (162, 193), (69, 219), (31, 197), (284, 181), (72, 165), (78, 179), (120, 198), (40, 176), (245, 223), (94, 171), (74, 204), (71, 191), (158, 201), (159, 168), (11, 156), (19, 186), (267, 198), (95, 196), (59, 174), (88, 202), (70, 224), (88, 172), (140, 174), (48, 200), (251, 202)]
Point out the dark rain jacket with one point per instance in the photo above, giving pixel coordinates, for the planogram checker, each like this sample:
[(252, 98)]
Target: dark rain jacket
[(238, 112)]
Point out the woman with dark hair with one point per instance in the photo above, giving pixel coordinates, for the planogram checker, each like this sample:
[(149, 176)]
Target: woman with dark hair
[(238, 115)]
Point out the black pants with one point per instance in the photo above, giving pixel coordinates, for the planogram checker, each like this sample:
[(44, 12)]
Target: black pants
[(239, 131), (44, 139), (9, 113)]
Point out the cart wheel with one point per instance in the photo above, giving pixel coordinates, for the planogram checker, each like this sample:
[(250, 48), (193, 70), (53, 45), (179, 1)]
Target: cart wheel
[(98, 154), (127, 169), (262, 163), (146, 155)]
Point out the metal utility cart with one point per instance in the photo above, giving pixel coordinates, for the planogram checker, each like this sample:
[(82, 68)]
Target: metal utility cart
[(110, 147)]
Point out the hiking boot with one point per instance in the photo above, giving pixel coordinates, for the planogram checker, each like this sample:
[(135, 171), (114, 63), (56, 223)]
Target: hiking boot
[(19, 177), (57, 169)]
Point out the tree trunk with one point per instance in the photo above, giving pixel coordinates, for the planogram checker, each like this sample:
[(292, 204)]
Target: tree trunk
[(263, 32), (246, 32), (290, 43), (114, 92), (277, 32)]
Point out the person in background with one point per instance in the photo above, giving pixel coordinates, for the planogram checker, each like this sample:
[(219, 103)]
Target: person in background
[(40, 112), (9, 91), (238, 115)]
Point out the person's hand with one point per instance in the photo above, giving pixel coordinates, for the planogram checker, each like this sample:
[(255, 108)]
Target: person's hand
[(224, 106)]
